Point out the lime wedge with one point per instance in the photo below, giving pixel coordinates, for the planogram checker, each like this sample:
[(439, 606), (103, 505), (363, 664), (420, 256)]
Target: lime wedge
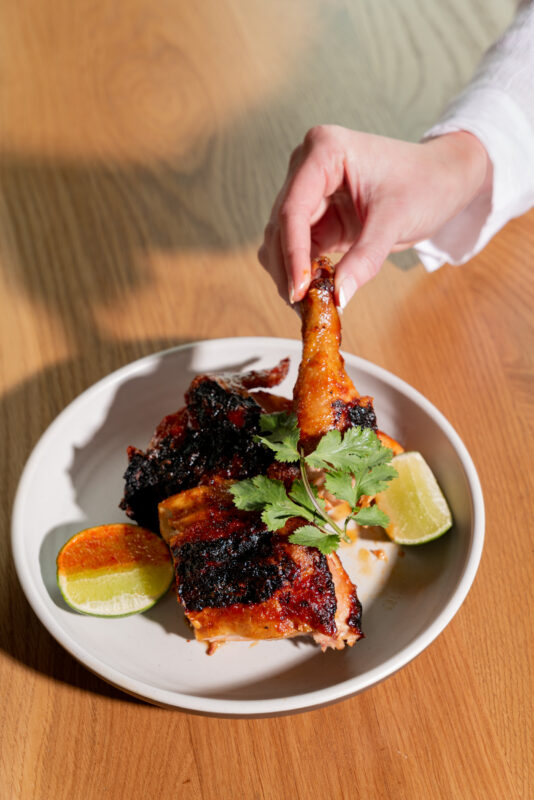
[(114, 570), (414, 503)]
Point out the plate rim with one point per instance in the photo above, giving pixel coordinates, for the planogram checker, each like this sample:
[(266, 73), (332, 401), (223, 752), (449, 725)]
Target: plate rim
[(271, 706)]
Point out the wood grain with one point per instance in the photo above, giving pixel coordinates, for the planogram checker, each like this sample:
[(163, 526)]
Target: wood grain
[(141, 148)]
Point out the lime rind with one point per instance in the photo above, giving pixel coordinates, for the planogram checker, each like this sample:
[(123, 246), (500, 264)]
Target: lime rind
[(414, 503), (425, 539)]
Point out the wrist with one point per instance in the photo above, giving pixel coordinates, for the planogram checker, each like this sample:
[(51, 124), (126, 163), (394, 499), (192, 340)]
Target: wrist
[(466, 162)]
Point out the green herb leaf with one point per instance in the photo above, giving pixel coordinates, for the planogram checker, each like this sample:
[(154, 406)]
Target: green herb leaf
[(281, 435), (362, 480), (299, 494), (342, 485), (275, 515), (354, 464), (253, 494), (341, 452), (309, 536), (270, 497), (375, 480), (371, 515)]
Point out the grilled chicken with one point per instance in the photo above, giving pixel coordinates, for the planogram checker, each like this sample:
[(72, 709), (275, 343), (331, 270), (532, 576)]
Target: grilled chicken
[(213, 435), (237, 581), (324, 396)]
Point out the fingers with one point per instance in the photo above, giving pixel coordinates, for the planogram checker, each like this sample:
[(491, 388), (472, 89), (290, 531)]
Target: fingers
[(270, 254), (315, 173), (364, 259), (271, 257), (304, 200), (339, 227), (332, 183)]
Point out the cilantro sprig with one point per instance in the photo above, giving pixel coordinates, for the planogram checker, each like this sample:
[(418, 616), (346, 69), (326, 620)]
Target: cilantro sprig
[(355, 465)]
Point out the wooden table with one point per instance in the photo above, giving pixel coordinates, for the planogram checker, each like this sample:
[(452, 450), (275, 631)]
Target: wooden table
[(142, 145)]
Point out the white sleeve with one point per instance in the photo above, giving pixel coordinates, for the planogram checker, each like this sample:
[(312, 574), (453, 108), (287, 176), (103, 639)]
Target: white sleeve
[(498, 108)]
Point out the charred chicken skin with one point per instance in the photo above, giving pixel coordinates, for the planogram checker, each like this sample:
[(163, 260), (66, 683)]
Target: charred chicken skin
[(213, 435), (237, 581)]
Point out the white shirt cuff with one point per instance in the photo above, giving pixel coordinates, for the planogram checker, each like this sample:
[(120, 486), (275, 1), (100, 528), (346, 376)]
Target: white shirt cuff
[(506, 133)]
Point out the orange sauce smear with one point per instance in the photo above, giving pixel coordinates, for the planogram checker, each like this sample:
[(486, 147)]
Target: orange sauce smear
[(380, 554), (108, 546)]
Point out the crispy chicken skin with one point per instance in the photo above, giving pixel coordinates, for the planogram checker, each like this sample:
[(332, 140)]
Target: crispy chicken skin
[(237, 581), (324, 396), (213, 435)]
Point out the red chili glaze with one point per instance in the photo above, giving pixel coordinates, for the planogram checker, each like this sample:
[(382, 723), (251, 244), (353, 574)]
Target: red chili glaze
[(238, 416), (173, 425), (305, 600), (220, 522), (324, 395), (306, 603), (311, 598)]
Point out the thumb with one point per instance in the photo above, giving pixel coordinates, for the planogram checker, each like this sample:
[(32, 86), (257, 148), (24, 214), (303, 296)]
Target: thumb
[(364, 259)]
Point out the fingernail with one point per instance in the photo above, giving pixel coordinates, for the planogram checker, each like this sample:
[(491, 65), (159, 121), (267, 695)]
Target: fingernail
[(291, 292), (346, 291), (300, 291)]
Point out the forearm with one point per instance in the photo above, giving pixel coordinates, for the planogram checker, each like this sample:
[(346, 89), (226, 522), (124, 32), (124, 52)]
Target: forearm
[(498, 109)]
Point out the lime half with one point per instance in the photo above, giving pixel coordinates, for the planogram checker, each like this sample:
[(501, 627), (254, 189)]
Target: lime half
[(114, 570), (414, 503)]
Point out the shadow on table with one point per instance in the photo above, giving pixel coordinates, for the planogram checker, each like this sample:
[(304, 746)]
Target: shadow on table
[(39, 398)]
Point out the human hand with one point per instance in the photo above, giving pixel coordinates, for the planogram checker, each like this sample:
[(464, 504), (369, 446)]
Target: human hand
[(365, 196)]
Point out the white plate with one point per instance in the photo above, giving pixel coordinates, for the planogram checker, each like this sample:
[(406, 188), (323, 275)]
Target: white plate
[(73, 480)]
